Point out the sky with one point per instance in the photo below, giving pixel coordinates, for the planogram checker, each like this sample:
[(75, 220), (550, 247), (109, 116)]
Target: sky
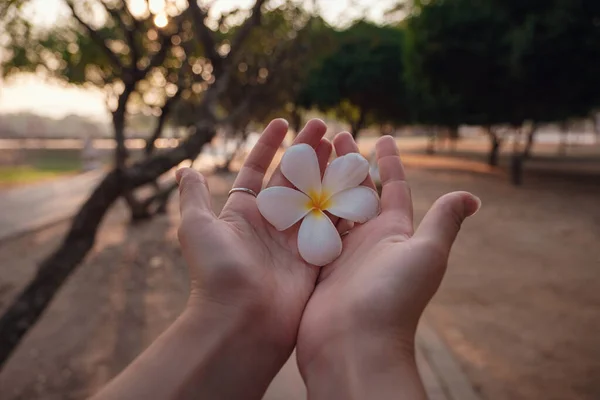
[(31, 94)]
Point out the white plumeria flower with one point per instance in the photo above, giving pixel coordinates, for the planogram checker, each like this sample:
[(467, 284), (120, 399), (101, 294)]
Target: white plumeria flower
[(340, 194)]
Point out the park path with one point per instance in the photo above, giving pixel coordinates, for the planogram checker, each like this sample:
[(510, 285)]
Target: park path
[(23, 209)]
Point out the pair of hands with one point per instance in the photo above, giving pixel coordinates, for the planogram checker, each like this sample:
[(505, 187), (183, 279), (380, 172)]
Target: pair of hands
[(363, 306)]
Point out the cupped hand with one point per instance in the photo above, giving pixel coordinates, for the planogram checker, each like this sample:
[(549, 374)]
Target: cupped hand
[(238, 261), (377, 289)]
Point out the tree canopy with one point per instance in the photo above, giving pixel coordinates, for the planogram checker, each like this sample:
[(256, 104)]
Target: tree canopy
[(361, 80), (502, 62)]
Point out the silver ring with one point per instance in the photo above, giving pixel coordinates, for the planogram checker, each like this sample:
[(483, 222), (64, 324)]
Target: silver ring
[(242, 190)]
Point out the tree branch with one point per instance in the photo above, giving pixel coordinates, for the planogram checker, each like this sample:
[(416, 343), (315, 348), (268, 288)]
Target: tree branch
[(251, 22), (96, 37), (170, 102), (165, 111), (206, 36), (127, 30), (165, 44)]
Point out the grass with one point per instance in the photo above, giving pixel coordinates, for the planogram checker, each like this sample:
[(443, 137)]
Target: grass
[(24, 174), (39, 165)]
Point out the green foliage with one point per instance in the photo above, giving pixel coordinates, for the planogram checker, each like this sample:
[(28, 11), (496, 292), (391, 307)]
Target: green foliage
[(555, 53), (38, 165), (502, 62), (65, 52), (361, 79), (272, 67)]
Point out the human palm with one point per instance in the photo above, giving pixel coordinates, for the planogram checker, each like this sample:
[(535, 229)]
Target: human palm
[(239, 259), (385, 276)]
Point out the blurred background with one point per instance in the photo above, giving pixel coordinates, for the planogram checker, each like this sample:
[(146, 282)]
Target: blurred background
[(101, 100)]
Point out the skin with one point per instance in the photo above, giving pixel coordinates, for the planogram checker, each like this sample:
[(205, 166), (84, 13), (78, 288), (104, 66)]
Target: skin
[(252, 298), (357, 331)]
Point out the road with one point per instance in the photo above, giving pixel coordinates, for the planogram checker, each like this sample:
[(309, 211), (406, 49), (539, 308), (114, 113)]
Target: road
[(30, 207)]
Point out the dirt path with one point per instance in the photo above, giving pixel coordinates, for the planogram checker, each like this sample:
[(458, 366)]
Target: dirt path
[(520, 306)]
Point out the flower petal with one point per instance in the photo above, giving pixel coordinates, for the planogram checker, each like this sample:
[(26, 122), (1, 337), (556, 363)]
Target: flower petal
[(301, 167), (358, 204), (282, 206), (319, 243), (345, 172)]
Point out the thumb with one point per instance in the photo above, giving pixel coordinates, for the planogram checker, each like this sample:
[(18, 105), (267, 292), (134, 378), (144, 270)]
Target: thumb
[(194, 195), (443, 220)]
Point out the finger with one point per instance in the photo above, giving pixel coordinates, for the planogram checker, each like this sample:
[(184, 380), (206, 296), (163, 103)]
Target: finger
[(194, 195), (344, 143), (323, 151), (443, 220), (312, 133), (253, 171), (395, 192), (343, 226)]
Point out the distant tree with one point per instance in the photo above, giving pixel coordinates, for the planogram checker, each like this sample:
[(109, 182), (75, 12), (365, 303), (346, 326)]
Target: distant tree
[(457, 66), (554, 53), (502, 62), (361, 79)]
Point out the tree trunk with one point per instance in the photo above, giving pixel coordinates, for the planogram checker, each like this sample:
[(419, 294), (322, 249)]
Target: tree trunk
[(118, 117), (518, 160), (431, 142), (138, 210), (158, 130), (496, 142), (29, 305), (162, 198), (453, 136), (596, 123), (121, 153), (529, 143), (356, 126), (296, 121), (226, 167), (516, 169), (517, 140), (564, 139)]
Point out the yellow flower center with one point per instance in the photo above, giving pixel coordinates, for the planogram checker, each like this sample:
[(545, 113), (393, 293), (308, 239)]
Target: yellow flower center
[(318, 202)]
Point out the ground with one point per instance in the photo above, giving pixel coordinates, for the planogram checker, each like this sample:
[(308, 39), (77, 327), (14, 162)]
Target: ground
[(519, 307)]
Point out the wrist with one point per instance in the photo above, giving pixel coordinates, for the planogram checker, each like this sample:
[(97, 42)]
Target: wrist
[(235, 355), (242, 314), (253, 322), (359, 366), (209, 352)]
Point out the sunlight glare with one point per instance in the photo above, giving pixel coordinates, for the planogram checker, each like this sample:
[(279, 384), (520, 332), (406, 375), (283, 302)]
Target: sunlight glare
[(157, 6), (137, 7), (161, 20)]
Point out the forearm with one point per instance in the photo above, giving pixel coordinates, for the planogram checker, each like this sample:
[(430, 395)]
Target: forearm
[(205, 354), (364, 368)]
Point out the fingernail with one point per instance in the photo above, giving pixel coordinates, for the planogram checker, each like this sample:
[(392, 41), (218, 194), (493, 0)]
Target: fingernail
[(179, 175), (472, 205), (282, 120)]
